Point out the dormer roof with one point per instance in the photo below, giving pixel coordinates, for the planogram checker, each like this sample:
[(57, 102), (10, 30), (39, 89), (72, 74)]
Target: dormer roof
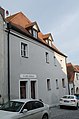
[(48, 36), (34, 25)]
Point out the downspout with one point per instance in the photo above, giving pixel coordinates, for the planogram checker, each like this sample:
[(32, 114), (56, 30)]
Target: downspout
[(8, 51)]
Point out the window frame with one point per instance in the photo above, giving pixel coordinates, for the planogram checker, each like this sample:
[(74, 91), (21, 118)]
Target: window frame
[(34, 33), (24, 50)]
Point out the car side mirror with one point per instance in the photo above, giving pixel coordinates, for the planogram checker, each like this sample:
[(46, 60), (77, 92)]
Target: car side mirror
[(25, 110)]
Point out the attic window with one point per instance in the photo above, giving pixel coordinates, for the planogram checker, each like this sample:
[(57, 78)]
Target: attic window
[(50, 43), (35, 33)]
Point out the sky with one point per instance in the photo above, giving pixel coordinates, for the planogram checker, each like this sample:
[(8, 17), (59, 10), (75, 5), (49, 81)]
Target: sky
[(58, 17)]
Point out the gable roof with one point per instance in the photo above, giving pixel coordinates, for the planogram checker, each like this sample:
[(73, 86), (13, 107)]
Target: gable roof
[(20, 22), (19, 19), (31, 25), (46, 36)]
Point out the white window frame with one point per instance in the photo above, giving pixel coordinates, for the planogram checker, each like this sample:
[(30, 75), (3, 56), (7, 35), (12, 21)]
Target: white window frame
[(35, 33), (24, 50)]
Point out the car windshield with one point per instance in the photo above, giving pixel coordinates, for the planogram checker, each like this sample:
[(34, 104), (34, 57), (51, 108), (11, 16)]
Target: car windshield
[(13, 106)]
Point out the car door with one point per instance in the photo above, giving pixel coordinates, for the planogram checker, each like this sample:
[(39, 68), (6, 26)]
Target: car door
[(33, 111)]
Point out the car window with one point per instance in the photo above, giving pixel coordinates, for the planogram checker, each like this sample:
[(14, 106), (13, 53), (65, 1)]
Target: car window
[(38, 104), (28, 105), (33, 105), (70, 97), (65, 97), (77, 96)]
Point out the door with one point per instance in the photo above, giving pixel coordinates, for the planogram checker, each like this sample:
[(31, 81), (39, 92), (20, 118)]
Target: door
[(33, 112)]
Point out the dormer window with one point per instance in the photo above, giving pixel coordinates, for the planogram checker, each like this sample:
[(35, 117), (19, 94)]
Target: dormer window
[(50, 43), (47, 41), (33, 29), (35, 33)]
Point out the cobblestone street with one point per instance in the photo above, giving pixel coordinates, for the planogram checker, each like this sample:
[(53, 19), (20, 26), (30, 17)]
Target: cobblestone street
[(57, 113)]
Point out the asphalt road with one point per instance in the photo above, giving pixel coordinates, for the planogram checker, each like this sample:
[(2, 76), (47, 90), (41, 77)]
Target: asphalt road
[(66, 113)]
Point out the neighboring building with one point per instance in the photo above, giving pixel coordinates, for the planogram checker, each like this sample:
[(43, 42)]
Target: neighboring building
[(73, 78), (30, 64)]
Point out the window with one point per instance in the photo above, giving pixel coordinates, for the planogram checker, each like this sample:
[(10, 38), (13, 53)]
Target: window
[(22, 89), (33, 105), (55, 61), (50, 43), (47, 57), (61, 64), (24, 50), (63, 83), (57, 84), (35, 33), (77, 76), (33, 89), (48, 84)]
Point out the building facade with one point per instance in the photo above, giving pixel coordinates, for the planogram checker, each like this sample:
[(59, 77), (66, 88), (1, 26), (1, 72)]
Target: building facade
[(73, 78), (31, 65)]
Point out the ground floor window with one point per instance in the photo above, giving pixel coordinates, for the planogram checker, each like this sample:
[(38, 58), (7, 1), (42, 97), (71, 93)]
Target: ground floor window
[(33, 89), (28, 89), (23, 89)]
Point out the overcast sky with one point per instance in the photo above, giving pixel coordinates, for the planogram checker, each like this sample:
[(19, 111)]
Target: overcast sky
[(59, 17)]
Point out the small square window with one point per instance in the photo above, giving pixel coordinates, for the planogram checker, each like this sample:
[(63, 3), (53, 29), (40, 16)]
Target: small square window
[(24, 50)]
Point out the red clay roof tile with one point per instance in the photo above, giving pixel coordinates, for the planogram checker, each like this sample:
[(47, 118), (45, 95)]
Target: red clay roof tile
[(20, 21)]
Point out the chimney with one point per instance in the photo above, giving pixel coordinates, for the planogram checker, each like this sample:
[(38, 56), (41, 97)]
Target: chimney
[(2, 12)]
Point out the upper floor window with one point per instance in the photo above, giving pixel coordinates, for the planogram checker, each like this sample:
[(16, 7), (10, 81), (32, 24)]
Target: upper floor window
[(77, 76), (57, 84), (61, 63), (47, 57), (63, 83), (48, 84), (24, 49), (55, 64)]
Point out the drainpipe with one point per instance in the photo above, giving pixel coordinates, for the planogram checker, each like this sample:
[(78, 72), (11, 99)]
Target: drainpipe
[(8, 50)]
